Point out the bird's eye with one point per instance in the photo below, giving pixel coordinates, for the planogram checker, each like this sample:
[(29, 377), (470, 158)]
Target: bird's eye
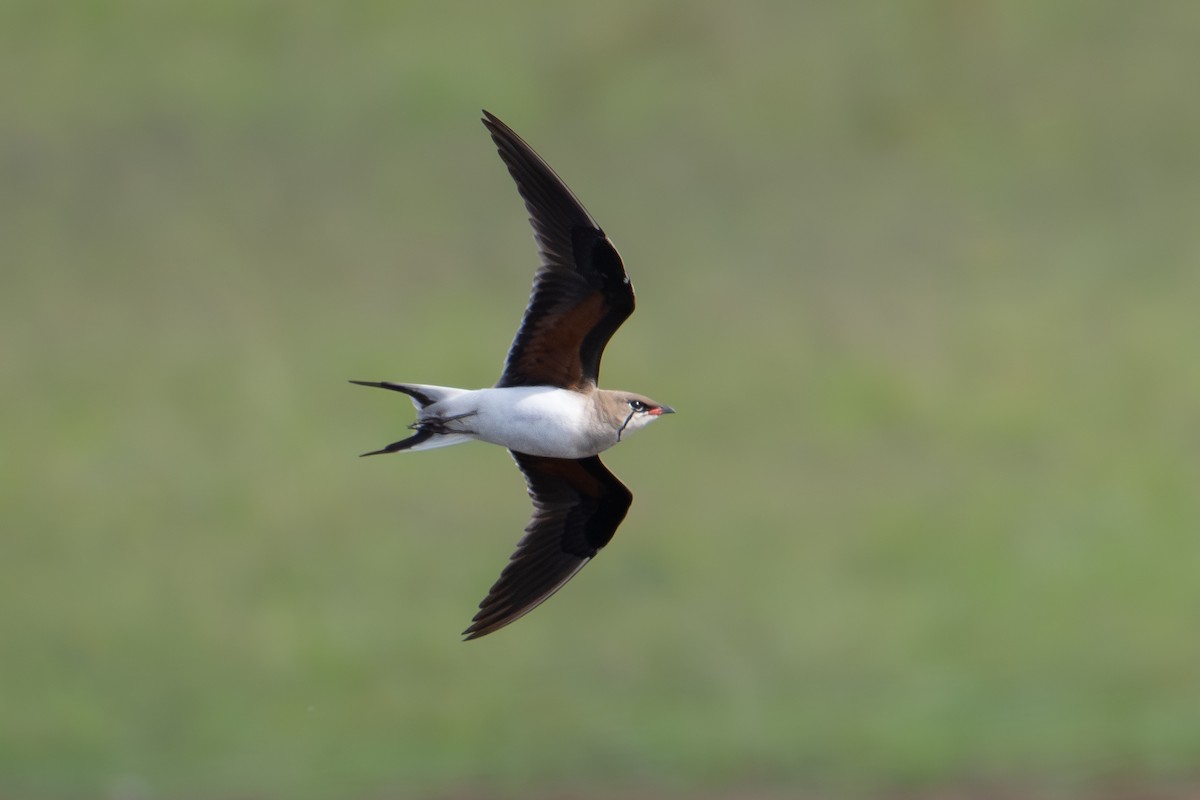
[(637, 405)]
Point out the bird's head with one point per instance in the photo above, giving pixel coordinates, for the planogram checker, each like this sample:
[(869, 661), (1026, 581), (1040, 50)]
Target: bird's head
[(630, 412)]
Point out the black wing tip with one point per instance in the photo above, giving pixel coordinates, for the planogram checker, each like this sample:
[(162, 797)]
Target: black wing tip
[(491, 620), (492, 616), (494, 124), (472, 633)]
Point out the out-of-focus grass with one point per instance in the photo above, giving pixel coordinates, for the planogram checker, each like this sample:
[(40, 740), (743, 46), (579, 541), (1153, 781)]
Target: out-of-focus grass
[(920, 278)]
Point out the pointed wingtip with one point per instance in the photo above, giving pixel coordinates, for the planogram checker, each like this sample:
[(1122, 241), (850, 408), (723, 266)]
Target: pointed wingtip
[(485, 622), (477, 629)]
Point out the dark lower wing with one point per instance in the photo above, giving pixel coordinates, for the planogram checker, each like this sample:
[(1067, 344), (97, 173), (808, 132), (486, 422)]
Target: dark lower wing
[(577, 507)]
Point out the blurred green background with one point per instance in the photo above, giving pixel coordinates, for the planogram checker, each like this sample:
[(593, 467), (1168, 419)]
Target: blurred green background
[(920, 277)]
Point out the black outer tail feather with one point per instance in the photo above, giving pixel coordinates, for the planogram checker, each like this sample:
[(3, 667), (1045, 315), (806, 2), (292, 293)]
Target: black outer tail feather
[(404, 444), (420, 436), (422, 398)]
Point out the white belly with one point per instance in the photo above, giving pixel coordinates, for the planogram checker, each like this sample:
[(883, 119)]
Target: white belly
[(538, 420)]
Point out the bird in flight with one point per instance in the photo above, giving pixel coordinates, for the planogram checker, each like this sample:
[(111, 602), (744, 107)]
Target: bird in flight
[(547, 408)]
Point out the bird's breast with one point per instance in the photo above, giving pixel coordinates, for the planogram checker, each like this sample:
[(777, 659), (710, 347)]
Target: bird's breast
[(540, 421)]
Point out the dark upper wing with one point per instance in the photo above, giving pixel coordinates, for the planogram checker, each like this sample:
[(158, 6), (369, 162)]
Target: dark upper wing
[(581, 294), (577, 506)]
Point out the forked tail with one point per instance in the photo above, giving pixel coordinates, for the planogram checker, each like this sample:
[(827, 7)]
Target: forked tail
[(427, 437)]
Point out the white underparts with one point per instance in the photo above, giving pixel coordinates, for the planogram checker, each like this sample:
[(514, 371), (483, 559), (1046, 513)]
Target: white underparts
[(538, 420)]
